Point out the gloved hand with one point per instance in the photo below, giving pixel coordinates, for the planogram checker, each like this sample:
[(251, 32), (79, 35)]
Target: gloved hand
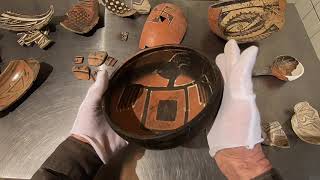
[(237, 129), (92, 125)]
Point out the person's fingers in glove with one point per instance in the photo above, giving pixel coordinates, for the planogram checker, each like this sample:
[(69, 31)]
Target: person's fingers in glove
[(91, 124), (236, 132)]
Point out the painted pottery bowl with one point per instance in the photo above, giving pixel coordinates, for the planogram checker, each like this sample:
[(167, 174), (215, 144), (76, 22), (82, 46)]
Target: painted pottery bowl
[(162, 96), (247, 20), (16, 79)]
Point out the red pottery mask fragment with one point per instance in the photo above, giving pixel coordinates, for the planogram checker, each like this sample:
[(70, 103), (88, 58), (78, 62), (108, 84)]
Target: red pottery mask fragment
[(166, 24)]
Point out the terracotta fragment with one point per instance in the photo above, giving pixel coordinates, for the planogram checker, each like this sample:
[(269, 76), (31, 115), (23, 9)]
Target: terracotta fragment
[(97, 58), (20, 22), (111, 61), (78, 60), (81, 72), (141, 6), (247, 20), (82, 17), (274, 135), (306, 123), (166, 24), (120, 8), (16, 79)]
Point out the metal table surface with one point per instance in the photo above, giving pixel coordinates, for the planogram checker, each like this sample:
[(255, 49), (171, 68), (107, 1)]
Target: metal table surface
[(38, 123)]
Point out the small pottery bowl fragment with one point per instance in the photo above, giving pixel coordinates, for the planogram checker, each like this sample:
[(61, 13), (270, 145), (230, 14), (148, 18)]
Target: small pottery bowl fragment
[(274, 135), (287, 68)]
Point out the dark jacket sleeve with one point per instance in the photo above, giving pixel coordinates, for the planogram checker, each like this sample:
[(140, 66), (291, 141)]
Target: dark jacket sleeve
[(270, 175), (72, 160)]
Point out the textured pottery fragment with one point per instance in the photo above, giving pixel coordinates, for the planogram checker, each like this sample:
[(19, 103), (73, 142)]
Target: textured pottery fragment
[(81, 72), (141, 6), (16, 79), (119, 7), (21, 22), (97, 58), (166, 24), (82, 17), (78, 60), (274, 135), (306, 123), (247, 20)]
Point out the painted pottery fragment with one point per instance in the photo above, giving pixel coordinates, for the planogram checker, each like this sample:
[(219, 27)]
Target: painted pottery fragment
[(78, 60), (285, 68), (16, 79), (20, 22), (166, 24), (111, 61), (81, 72), (306, 123), (82, 17), (97, 58), (141, 6), (120, 8), (124, 36), (38, 37), (247, 20), (274, 135)]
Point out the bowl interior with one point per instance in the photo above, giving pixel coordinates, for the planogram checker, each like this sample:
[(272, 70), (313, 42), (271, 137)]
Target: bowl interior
[(159, 90)]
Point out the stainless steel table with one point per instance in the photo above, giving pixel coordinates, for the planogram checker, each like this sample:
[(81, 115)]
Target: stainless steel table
[(42, 120)]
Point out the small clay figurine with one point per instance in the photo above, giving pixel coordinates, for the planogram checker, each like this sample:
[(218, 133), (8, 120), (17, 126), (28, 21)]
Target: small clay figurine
[(78, 60), (81, 72), (306, 123), (97, 58), (274, 135), (82, 17), (124, 36)]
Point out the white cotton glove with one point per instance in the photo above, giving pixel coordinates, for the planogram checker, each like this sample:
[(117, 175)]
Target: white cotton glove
[(238, 121), (92, 125)]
